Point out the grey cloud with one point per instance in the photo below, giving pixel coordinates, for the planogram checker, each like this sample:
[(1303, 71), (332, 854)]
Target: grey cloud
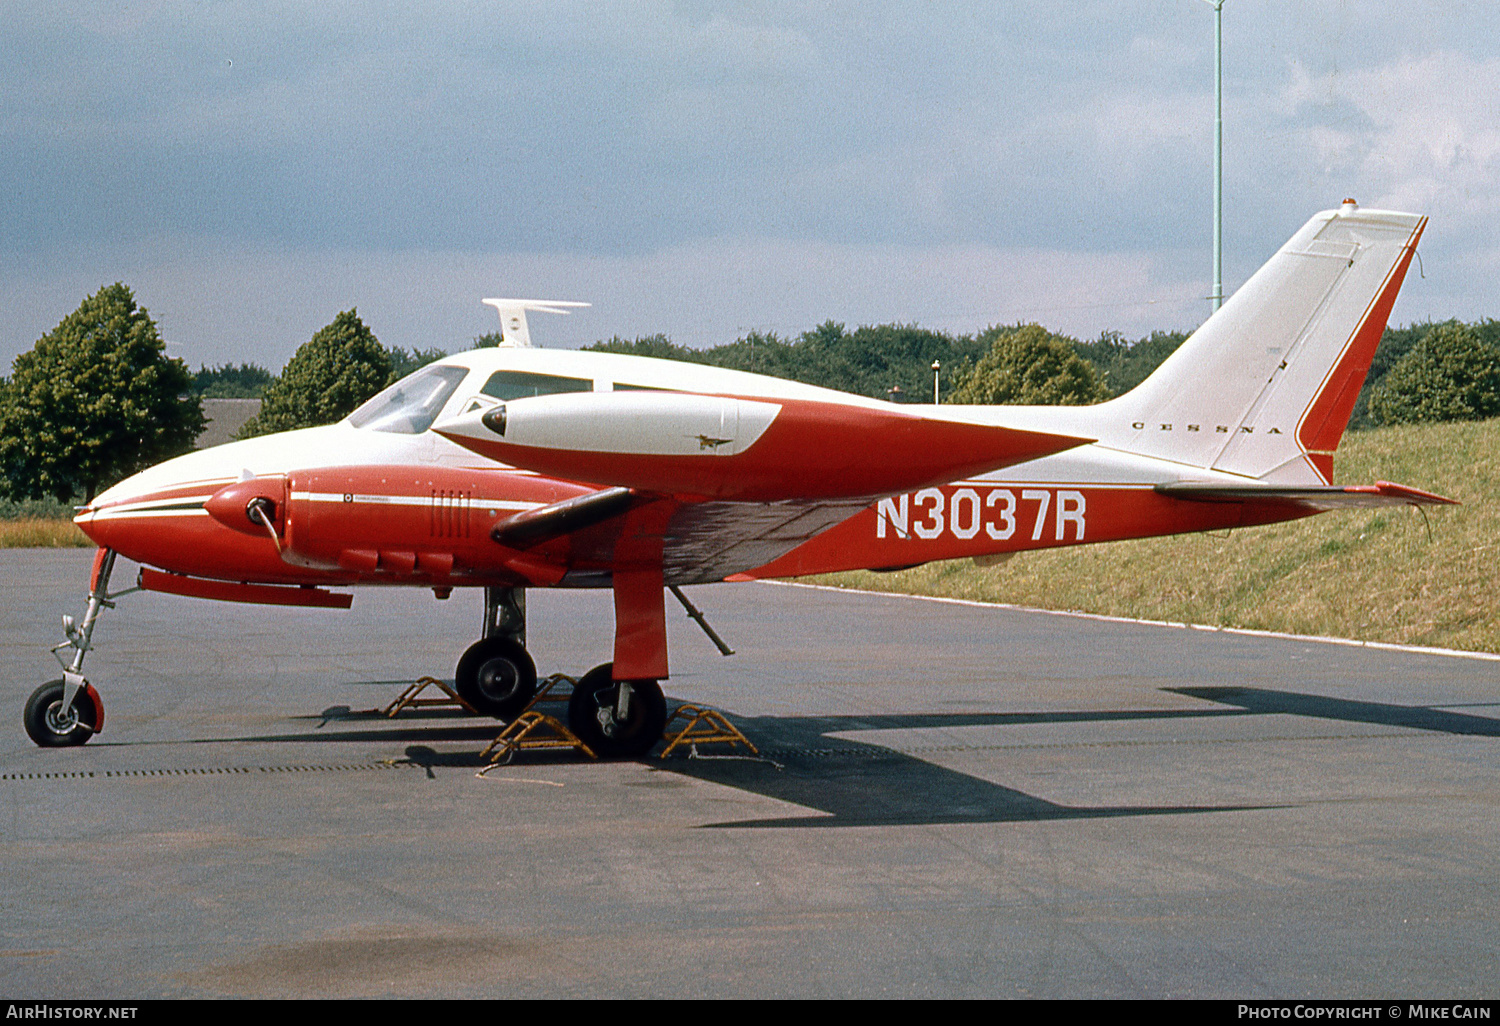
[(617, 130)]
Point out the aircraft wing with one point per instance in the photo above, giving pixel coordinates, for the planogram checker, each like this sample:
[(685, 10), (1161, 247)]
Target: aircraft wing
[(696, 542), (700, 541), (1317, 497)]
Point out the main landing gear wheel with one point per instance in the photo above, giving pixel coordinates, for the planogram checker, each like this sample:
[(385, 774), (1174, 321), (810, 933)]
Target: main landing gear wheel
[(593, 714), (497, 677), (52, 726)]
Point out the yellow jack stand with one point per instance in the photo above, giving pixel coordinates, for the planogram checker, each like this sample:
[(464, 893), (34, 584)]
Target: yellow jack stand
[(528, 732), (705, 726), (549, 731), (408, 699), (544, 693)]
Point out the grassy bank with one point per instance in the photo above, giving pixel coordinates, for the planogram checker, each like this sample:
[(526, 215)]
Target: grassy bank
[(41, 533), (1366, 574)]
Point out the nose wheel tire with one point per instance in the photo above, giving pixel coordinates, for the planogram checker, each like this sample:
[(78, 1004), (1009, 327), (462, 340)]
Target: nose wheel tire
[(52, 726), (593, 714), (497, 677)]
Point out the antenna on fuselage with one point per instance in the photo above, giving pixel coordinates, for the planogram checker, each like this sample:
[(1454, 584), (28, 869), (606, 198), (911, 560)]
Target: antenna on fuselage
[(513, 329)]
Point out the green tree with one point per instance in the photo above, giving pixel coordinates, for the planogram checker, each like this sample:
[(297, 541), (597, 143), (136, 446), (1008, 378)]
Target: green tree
[(1123, 364), (765, 352), (404, 362), (1394, 344), (1028, 365), (331, 374), (1451, 374), (657, 346), (96, 399), (245, 381), (872, 359)]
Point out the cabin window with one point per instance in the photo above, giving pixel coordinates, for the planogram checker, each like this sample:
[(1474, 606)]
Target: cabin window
[(621, 386), (410, 405), (506, 385)]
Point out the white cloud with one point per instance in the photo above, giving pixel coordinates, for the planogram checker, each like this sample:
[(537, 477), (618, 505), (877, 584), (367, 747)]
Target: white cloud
[(1421, 133)]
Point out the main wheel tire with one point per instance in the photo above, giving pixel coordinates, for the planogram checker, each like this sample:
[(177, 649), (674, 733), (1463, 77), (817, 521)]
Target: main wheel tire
[(497, 677), (591, 714), (52, 726)]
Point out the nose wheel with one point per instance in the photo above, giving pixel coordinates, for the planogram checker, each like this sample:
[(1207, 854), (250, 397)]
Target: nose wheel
[(618, 719), (52, 724), (67, 712)]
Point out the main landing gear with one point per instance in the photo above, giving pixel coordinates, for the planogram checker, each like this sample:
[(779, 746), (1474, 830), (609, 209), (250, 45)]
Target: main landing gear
[(68, 711), (496, 675), (617, 719), (621, 719)]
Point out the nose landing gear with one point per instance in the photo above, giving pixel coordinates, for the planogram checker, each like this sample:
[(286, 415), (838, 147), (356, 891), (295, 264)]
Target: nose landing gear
[(67, 712)]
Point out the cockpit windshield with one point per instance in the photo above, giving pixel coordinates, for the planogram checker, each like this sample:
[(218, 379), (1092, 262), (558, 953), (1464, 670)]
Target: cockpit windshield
[(410, 405)]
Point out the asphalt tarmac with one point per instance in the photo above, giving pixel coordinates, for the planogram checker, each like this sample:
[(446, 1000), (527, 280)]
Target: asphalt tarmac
[(955, 802)]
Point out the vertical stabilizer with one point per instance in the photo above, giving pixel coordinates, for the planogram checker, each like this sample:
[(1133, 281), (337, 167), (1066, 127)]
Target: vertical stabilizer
[(1266, 386)]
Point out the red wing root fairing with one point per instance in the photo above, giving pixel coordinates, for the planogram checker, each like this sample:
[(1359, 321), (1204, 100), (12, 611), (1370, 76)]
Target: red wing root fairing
[(511, 468)]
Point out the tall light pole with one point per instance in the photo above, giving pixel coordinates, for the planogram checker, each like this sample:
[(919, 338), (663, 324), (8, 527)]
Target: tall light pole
[(1218, 294)]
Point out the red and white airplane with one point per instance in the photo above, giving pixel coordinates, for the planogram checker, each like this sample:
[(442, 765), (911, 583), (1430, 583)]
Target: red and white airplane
[(514, 468)]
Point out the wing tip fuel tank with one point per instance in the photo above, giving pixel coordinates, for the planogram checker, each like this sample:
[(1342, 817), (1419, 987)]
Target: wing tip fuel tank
[(738, 449)]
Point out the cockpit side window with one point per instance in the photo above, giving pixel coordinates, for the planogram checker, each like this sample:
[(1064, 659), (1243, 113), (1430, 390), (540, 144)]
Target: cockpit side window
[(410, 405), (506, 385)]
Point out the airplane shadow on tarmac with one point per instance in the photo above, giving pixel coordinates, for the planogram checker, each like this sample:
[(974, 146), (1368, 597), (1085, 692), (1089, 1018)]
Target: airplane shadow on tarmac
[(1265, 701), (856, 783), (888, 787), (844, 782), (850, 782)]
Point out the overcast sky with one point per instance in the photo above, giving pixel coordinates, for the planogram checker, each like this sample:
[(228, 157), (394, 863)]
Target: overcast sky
[(702, 169)]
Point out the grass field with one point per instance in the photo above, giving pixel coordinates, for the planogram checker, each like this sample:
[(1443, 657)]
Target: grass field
[(1366, 574), (41, 533)]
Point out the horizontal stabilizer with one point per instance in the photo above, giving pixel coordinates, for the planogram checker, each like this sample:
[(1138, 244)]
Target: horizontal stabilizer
[(514, 331), (741, 450), (1317, 497)]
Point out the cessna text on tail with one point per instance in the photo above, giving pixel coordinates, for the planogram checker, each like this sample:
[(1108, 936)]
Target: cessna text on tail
[(513, 468)]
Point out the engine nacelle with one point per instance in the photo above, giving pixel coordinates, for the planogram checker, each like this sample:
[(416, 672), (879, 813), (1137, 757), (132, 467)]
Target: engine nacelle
[(747, 450), (392, 522)]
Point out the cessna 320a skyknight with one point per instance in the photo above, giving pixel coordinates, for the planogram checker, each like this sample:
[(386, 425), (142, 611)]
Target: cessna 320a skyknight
[(514, 468)]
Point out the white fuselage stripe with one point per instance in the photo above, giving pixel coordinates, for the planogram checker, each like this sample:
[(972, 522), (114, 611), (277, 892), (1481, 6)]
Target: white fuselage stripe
[(146, 514), (408, 500), (157, 503)]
